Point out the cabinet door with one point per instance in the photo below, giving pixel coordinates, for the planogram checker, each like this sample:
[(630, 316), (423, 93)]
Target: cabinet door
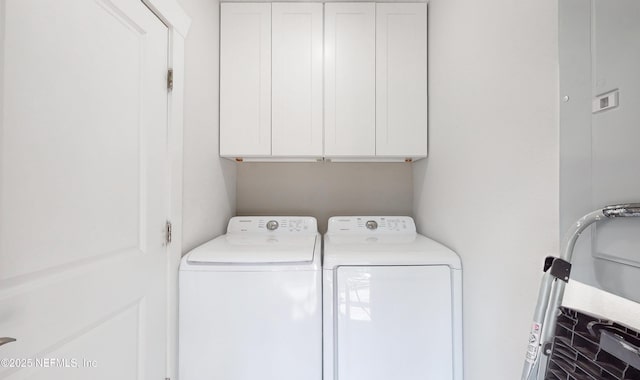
[(297, 79), (245, 79), (349, 79), (401, 79)]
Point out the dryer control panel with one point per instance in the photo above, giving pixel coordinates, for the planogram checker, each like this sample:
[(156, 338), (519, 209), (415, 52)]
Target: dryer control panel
[(272, 224), (382, 225)]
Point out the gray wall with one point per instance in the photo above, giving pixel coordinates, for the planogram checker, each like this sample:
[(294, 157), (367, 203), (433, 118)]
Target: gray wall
[(600, 160), (209, 197), (324, 189), (489, 189)]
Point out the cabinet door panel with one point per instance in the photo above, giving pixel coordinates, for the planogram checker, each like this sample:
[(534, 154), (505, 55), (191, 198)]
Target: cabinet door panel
[(245, 79), (349, 79), (297, 79), (401, 79)]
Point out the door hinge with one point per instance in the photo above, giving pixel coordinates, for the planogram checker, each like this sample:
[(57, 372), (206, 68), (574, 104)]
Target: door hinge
[(167, 237), (170, 79)]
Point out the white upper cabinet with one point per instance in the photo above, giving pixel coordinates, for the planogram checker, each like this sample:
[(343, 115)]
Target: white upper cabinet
[(349, 58), (245, 79), (296, 129), (349, 84), (401, 80)]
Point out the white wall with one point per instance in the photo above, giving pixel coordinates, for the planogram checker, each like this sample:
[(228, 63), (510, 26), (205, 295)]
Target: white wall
[(489, 189), (325, 189), (209, 198)]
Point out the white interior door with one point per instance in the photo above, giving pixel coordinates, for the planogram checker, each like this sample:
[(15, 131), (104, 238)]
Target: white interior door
[(83, 189)]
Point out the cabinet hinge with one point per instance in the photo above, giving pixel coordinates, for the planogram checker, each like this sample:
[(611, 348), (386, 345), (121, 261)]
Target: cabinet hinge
[(168, 233), (170, 79)]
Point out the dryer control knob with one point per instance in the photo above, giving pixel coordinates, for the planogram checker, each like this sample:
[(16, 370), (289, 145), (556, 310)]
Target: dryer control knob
[(372, 225), (272, 225)]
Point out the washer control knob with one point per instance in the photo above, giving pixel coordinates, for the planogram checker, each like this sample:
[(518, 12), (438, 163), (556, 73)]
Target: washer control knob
[(272, 225), (372, 224)]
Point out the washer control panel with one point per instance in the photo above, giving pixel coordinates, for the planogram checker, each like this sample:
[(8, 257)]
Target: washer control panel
[(371, 224), (272, 224)]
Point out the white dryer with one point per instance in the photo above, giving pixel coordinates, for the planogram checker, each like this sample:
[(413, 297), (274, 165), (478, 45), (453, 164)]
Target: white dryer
[(251, 303), (392, 302)]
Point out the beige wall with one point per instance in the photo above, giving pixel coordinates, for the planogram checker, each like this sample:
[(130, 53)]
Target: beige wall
[(209, 197), (324, 189), (489, 189)]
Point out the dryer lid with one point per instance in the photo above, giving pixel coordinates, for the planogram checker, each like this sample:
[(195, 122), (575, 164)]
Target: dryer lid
[(372, 251), (381, 240), (255, 249)]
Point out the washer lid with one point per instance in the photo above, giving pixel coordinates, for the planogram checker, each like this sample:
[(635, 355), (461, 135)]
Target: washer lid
[(255, 249), (380, 250)]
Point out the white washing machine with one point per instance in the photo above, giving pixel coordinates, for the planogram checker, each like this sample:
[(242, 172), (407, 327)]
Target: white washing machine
[(392, 302), (251, 303)]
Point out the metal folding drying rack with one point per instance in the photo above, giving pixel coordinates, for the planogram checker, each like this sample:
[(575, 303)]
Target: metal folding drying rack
[(551, 293)]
